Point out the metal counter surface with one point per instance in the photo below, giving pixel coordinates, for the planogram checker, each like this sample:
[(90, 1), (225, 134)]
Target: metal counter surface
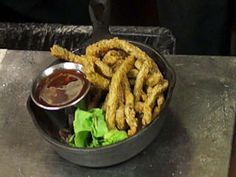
[(194, 141)]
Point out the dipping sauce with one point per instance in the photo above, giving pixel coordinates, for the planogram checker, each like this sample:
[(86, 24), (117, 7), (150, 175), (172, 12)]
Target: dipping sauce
[(61, 87)]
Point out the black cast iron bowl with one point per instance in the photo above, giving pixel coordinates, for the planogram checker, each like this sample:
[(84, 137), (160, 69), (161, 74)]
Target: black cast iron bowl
[(48, 124)]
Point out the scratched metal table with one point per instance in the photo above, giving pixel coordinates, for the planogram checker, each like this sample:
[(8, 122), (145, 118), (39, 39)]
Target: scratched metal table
[(195, 140)]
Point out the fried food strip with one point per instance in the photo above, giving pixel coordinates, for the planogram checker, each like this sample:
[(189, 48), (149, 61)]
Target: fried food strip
[(132, 73), (120, 117), (156, 91), (104, 68), (63, 53), (112, 56), (147, 115), (117, 65), (130, 115), (139, 107), (86, 61), (143, 95), (129, 109), (160, 103), (132, 82), (154, 79), (112, 102), (120, 112), (95, 78), (149, 90), (108, 44), (115, 43), (149, 103), (138, 87), (138, 64)]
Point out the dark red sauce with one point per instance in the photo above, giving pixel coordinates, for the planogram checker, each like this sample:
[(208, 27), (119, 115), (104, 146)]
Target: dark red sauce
[(61, 87)]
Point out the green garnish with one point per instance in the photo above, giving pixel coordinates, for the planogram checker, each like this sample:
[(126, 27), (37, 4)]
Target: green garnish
[(114, 136), (90, 129)]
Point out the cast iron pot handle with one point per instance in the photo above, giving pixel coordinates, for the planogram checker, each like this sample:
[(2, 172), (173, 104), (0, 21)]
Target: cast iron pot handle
[(99, 11)]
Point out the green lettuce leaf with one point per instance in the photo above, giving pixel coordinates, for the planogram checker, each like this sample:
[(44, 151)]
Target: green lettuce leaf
[(82, 127), (71, 140), (114, 136), (90, 130), (99, 126), (95, 142)]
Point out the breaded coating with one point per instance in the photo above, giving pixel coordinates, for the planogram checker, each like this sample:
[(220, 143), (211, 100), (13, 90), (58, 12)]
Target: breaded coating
[(143, 73), (147, 115), (64, 54), (112, 56), (160, 103), (112, 102), (149, 90), (86, 61), (120, 112), (156, 91), (129, 108), (120, 117), (149, 103), (104, 68), (143, 95), (129, 97), (121, 93), (117, 65), (138, 64), (131, 120), (132, 82), (115, 43), (154, 79), (139, 106), (132, 73), (95, 78)]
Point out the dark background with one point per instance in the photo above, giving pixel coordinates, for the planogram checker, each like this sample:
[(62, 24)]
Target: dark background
[(200, 27)]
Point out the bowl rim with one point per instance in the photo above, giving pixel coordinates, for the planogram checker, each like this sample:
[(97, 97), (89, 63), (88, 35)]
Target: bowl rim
[(170, 89)]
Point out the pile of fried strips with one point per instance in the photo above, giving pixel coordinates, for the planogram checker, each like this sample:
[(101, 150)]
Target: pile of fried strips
[(133, 80)]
